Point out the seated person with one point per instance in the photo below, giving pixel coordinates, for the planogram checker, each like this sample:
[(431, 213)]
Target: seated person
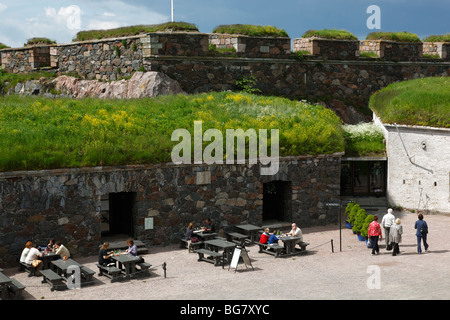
[(104, 257), (132, 249), (210, 226), (32, 260), (60, 250), (296, 232), (265, 236), (273, 239), (25, 251)]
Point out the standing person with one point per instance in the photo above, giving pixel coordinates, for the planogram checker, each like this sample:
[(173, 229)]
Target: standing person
[(396, 236), (374, 234), (421, 233), (387, 222), (60, 250)]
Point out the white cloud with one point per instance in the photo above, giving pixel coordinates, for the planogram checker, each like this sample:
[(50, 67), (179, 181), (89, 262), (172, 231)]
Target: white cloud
[(3, 7), (99, 25)]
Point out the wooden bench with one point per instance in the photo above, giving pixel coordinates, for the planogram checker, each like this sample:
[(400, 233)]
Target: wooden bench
[(16, 288), (191, 246), (25, 267), (216, 257), (144, 267), (303, 245), (54, 279), (111, 272), (277, 249), (87, 273)]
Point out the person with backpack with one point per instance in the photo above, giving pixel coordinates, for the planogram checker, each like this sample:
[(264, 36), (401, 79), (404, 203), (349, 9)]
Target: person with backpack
[(421, 233)]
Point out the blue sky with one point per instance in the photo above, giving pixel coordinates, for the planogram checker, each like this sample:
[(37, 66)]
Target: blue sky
[(60, 20)]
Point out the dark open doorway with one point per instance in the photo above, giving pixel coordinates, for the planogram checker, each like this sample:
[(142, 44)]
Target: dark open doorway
[(276, 201), (119, 218)]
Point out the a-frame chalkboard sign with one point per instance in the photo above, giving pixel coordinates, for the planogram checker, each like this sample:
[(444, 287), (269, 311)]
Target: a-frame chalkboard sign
[(240, 252)]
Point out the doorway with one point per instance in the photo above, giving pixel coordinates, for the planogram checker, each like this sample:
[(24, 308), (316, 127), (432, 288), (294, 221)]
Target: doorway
[(118, 214), (363, 178), (276, 201)]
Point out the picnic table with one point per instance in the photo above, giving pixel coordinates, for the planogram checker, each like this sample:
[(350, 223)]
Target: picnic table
[(205, 235), (62, 266), (5, 281), (251, 230), (122, 245), (128, 262), (289, 243), (47, 258), (218, 244), (231, 236)]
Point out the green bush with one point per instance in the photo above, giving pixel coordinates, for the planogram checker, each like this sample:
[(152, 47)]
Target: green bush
[(359, 220), (330, 34), (365, 226), (393, 36), (353, 213), (251, 30), (34, 41), (363, 140), (3, 46), (348, 208)]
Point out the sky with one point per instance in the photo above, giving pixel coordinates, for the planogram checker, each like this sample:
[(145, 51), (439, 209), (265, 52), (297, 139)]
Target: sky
[(60, 20)]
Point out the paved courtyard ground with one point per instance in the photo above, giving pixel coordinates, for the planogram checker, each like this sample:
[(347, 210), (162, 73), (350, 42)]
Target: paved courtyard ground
[(350, 272)]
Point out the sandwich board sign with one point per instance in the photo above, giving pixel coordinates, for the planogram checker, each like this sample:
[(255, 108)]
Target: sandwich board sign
[(240, 252)]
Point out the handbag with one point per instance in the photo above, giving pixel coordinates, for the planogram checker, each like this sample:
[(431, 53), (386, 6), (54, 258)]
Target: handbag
[(194, 239)]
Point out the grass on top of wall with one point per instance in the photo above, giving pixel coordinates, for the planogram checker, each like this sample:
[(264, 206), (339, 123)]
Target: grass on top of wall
[(134, 30), (330, 34), (422, 102), (394, 36), (251, 30), (438, 38), (43, 133)]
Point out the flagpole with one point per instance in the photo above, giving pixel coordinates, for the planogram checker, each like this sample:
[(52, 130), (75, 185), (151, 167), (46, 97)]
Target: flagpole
[(172, 9)]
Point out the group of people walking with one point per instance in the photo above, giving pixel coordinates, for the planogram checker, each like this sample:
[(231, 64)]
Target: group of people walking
[(393, 231)]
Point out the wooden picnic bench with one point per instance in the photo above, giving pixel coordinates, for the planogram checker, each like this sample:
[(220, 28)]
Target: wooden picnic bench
[(276, 249), (111, 272), (16, 288), (54, 279), (191, 246), (87, 273), (216, 258), (144, 267), (303, 245)]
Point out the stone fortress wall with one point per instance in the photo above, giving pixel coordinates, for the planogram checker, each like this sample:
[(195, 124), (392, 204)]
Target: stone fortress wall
[(333, 69)]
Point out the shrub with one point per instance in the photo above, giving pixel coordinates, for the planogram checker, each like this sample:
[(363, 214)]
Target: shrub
[(365, 226), (364, 139), (393, 36), (251, 30), (359, 220), (353, 213), (348, 208), (34, 41), (3, 46), (330, 34)]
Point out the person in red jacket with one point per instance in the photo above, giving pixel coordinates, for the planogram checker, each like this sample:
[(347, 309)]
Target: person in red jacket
[(265, 236), (374, 234)]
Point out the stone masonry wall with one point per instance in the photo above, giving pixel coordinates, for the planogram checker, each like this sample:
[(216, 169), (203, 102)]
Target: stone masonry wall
[(108, 59), (328, 49), (65, 204), (350, 81)]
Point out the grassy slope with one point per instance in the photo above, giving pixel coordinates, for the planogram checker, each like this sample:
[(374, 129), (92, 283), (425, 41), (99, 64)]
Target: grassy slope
[(423, 102), (39, 133)]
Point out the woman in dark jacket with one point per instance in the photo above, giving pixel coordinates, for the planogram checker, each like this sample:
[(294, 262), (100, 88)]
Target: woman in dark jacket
[(421, 233)]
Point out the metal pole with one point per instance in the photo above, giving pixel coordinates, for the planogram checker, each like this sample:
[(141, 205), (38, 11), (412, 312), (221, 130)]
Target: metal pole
[(164, 267), (172, 9)]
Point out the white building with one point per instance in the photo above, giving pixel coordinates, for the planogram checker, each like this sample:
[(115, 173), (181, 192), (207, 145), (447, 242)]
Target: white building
[(418, 167)]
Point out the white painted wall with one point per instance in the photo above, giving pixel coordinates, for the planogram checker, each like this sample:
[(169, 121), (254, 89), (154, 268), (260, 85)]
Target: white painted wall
[(418, 167)]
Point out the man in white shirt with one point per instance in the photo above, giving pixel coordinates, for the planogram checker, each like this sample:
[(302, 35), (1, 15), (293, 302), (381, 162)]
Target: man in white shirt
[(34, 254), (296, 232), (387, 221)]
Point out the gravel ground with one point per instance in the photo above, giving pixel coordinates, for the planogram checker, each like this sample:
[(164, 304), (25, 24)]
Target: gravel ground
[(350, 272)]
